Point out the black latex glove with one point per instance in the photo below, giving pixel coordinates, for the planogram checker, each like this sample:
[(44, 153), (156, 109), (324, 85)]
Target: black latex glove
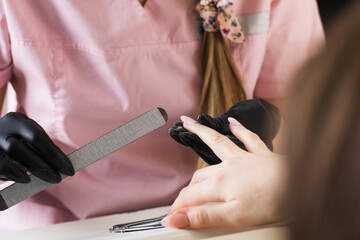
[(257, 115), (25, 146)]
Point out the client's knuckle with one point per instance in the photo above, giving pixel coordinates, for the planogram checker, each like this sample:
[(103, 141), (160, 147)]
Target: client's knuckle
[(182, 193), (252, 136), (218, 178), (218, 138), (195, 177), (200, 217)]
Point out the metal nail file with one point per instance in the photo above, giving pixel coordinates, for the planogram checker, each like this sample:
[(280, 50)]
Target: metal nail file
[(88, 154)]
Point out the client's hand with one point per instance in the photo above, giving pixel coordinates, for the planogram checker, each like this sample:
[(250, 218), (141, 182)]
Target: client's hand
[(245, 185), (257, 115)]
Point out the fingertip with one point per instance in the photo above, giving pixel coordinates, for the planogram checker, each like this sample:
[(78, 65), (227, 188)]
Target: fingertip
[(178, 124), (47, 175), (165, 222), (70, 170), (176, 220), (13, 171), (19, 177), (234, 122), (187, 120), (205, 119), (67, 168), (24, 179)]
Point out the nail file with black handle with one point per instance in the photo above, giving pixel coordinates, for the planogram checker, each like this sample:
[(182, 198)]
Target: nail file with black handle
[(88, 154)]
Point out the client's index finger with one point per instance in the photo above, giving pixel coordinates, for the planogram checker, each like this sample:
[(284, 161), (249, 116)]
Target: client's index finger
[(221, 145)]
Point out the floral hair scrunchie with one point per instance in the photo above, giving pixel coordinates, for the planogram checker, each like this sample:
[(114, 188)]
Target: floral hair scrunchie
[(218, 15)]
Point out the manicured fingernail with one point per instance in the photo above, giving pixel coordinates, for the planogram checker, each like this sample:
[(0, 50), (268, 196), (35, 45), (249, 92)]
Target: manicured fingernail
[(165, 222), (176, 220), (187, 120), (233, 121)]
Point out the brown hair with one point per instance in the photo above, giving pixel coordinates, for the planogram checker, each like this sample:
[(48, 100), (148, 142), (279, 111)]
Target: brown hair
[(324, 143), (222, 84)]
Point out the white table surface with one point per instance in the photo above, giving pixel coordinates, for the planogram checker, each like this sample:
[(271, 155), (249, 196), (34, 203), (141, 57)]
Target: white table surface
[(97, 228)]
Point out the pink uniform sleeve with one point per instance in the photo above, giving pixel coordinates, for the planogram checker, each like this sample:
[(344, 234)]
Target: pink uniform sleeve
[(294, 36), (5, 52)]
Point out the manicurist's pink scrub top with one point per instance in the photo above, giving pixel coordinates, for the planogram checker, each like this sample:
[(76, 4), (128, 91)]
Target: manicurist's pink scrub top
[(81, 68)]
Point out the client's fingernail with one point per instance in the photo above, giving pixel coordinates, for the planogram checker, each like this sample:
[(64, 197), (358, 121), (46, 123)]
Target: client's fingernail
[(176, 220), (187, 120), (233, 121), (165, 222)]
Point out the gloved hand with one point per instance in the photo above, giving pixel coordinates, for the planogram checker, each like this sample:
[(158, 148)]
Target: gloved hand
[(25, 146), (257, 115)]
